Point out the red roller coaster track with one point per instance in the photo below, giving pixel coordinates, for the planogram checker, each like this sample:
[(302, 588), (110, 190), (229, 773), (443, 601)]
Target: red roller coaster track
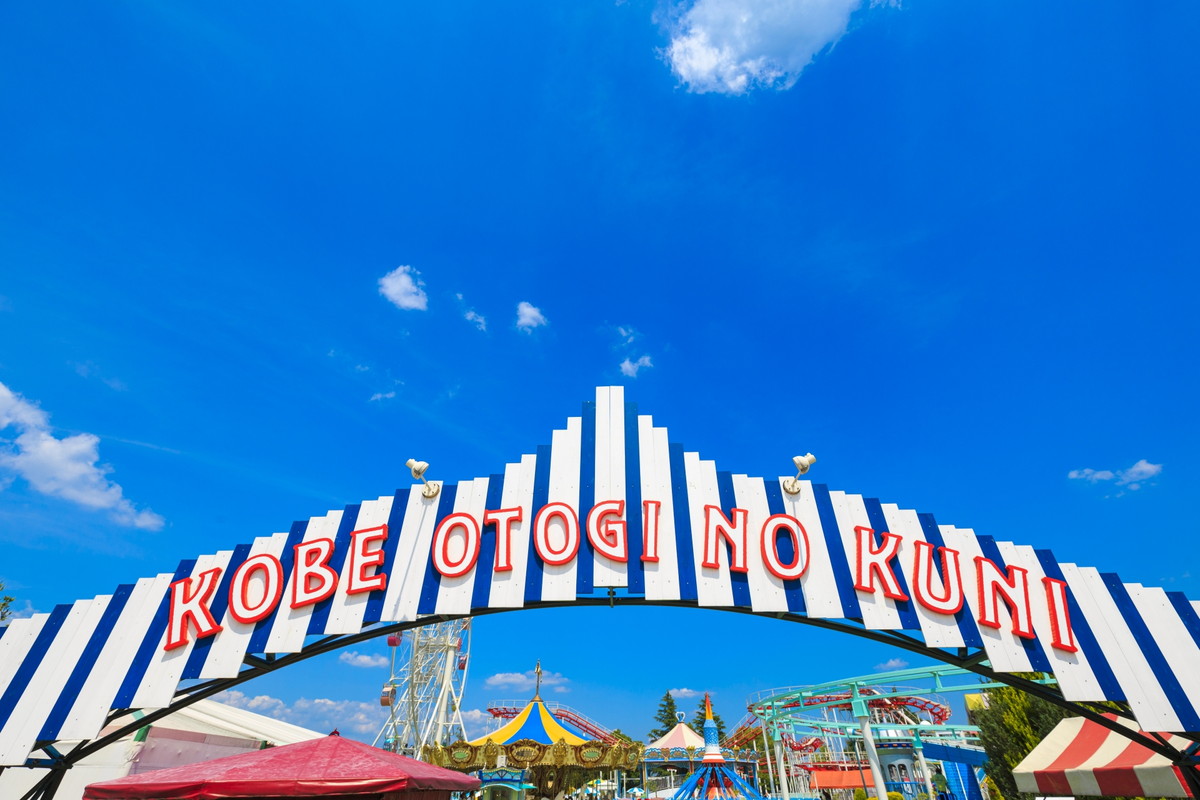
[(750, 729), (938, 712)]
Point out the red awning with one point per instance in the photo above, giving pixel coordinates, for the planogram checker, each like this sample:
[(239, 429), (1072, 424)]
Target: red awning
[(327, 767), (841, 779), (1080, 758)]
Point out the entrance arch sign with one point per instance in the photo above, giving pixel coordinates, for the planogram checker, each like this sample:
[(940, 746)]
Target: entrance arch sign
[(609, 509)]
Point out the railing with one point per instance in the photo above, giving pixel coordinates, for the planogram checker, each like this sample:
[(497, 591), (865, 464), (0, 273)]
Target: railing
[(913, 789)]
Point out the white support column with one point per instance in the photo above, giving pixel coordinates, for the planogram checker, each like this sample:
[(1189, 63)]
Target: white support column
[(785, 789), (767, 756), (864, 723), (919, 749)]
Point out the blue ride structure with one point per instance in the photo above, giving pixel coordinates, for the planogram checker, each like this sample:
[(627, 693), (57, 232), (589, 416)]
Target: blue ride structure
[(714, 779)]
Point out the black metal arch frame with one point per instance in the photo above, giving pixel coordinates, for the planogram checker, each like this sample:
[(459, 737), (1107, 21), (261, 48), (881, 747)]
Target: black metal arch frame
[(971, 660)]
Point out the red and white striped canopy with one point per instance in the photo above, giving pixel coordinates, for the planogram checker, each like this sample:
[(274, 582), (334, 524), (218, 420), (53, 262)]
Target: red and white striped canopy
[(1082, 758)]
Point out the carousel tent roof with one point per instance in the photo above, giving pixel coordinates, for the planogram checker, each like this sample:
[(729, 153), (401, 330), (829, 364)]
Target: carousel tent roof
[(534, 722), (327, 767), (1081, 757), (679, 736)]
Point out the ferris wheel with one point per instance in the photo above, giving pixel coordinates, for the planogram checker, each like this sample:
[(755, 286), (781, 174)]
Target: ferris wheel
[(425, 690)]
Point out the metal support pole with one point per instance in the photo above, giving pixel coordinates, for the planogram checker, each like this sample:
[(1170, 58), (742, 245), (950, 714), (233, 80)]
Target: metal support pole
[(864, 723), (919, 750), (1191, 776), (767, 757), (785, 789)]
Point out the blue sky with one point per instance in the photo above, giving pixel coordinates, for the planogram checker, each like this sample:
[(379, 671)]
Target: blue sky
[(948, 247)]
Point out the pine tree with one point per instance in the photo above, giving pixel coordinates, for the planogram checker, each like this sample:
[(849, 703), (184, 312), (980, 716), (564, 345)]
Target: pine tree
[(5, 605), (698, 721), (1011, 724), (665, 717)]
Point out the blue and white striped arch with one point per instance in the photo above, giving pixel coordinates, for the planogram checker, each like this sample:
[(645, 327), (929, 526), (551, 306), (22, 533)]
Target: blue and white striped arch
[(874, 564)]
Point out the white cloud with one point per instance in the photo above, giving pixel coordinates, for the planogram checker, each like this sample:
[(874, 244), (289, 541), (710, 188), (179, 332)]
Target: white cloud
[(381, 396), (529, 317), (1132, 478), (891, 663), (1140, 471), (524, 681), (28, 611), (1091, 475), (260, 704), (90, 370), (477, 722), (480, 322), (685, 693), (627, 334), (402, 286), (733, 46), (319, 714), (631, 368), (65, 468), (363, 659)]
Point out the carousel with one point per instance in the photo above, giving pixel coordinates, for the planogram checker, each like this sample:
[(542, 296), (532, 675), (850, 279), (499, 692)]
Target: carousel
[(554, 757)]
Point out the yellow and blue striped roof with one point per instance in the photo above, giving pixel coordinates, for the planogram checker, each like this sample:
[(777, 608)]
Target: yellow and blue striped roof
[(534, 722)]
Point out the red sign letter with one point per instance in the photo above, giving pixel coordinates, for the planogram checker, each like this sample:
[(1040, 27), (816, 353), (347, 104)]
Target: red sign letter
[(454, 566), (241, 608), (541, 533), (503, 519), (192, 604), (950, 599), (1013, 588), (650, 512), (312, 579), (361, 560), (1060, 615), (608, 536), (716, 527), (770, 546), (873, 563)]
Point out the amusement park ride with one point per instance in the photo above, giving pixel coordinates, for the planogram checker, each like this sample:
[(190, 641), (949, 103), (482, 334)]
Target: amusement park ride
[(870, 732), (424, 693), (504, 710)]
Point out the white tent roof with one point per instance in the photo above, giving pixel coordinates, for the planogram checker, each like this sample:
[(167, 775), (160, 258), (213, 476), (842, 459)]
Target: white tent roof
[(207, 729), (679, 736), (211, 717)]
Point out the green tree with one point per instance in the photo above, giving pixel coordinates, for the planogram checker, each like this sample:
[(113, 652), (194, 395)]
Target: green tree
[(622, 735), (1011, 723), (665, 717), (698, 721), (5, 606)]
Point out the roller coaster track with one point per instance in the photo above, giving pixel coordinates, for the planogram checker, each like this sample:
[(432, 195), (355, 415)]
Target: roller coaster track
[(938, 712), (748, 734)]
